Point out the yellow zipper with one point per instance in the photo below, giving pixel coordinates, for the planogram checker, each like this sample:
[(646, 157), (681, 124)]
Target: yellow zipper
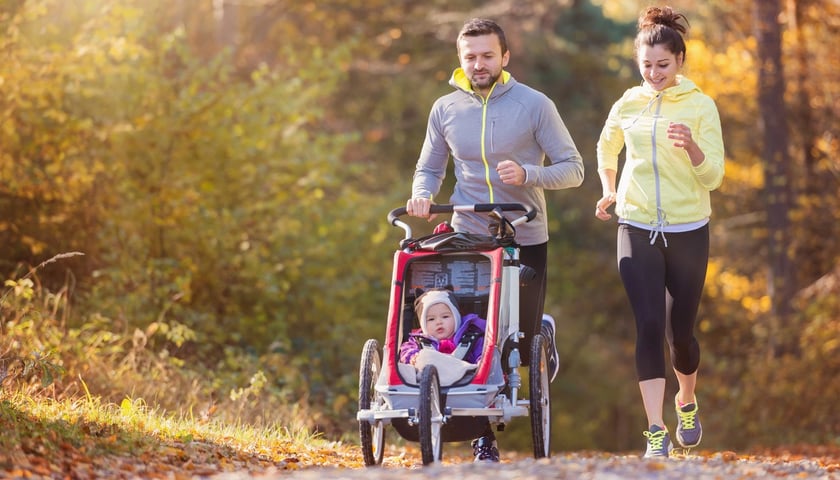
[(483, 138)]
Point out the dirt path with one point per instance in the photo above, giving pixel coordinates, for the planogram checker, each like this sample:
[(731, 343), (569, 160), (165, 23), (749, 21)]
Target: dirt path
[(587, 466)]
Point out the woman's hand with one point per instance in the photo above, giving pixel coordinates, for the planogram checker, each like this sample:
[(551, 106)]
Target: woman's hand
[(602, 206), (681, 135)]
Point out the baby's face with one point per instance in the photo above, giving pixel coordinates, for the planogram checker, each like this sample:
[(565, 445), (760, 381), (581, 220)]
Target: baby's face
[(440, 323)]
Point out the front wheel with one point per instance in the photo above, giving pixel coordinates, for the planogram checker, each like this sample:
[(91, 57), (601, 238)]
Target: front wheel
[(372, 436), (540, 397), (430, 416)]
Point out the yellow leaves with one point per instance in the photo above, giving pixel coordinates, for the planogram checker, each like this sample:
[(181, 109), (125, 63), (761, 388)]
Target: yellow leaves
[(749, 293), (257, 383), (733, 285), (830, 346), (821, 337), (721, 73), (131, 408), (757, 305), (126, 407), (56, 115), (173, 331), (745, 174), (118, 50), (22, 289), (35, 10)]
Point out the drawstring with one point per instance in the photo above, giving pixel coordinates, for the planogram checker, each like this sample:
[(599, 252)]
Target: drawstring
[(659, 227), (644, 110), (660, 223)]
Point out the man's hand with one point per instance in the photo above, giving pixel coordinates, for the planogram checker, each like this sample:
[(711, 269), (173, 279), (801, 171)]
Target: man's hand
[(419, 207), (510, 172)]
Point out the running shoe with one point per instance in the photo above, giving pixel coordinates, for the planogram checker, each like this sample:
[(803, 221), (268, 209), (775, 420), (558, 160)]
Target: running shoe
[(689, 430), (658, 442), (548, 330), (485, 450)]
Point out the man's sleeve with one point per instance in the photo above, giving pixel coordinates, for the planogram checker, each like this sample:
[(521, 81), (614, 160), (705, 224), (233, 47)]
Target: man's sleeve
[(431, 165), (564, 165)]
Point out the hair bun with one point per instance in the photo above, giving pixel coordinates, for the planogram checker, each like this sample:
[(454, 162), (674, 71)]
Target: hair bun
[(665, 16)]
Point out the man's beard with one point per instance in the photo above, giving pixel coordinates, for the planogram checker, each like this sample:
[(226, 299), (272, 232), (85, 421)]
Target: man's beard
[(486, 84)]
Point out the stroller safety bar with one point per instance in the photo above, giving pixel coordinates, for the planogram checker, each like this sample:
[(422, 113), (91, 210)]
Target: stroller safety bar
[(504, 414), (395, 214)]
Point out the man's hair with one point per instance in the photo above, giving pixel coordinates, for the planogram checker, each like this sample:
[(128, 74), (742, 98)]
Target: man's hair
[(482, 26)]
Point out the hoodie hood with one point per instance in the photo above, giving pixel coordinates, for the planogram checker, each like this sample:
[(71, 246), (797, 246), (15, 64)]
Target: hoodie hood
[(460, 81), (684, 86)]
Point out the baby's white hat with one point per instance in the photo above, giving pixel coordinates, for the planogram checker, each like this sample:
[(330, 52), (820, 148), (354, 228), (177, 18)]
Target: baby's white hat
[(432, 297)]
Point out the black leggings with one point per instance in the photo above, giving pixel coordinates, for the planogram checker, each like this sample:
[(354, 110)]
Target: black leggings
[(532, 297), (664, 285)]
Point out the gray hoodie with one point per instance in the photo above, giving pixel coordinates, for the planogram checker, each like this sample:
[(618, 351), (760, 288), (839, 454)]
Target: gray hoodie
[(515, 123)]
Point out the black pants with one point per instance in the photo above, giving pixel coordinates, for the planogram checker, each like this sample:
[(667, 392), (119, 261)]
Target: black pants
[(531, 300), (532, 297), (664, 285)]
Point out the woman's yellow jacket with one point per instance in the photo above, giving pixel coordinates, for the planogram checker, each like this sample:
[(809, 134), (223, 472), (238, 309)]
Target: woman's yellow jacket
[(658, 185)]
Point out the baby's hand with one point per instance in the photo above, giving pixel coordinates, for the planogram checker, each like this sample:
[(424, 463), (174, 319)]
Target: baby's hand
[(446, 346)]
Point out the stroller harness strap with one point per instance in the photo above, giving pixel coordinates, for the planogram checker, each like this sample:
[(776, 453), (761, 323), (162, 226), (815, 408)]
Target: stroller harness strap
[(464, 345)]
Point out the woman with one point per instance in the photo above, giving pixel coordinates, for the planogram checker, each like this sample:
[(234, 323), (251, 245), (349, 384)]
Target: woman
[(674, 158)]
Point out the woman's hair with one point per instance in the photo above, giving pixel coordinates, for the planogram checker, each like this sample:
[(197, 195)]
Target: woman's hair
[(662, 26)]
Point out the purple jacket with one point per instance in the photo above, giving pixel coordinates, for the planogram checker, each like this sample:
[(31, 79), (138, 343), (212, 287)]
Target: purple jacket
[(412, 346)]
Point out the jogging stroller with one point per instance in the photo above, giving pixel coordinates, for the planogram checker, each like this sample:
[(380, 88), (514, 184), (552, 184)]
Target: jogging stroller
[(485, 274)]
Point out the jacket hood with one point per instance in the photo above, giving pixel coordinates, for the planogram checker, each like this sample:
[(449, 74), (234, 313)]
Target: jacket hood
[(460, 81), (684, 86)]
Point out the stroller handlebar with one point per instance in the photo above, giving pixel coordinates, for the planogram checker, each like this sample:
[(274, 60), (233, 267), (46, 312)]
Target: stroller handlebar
[(530, 213)]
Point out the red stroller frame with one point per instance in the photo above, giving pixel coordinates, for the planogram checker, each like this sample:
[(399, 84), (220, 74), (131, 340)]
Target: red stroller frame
[(485, 273)]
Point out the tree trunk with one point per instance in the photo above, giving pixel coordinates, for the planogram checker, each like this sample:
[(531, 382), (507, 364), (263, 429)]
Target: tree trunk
[(777, 171)]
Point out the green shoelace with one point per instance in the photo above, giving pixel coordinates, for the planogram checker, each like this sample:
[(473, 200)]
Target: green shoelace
[(687, 418), (656, 438)]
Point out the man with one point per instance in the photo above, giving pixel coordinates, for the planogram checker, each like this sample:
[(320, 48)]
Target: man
[(499, 133)]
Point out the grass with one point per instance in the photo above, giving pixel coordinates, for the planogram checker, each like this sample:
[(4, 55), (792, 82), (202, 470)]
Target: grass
[(88, 397), (90, 438), (53, 426)]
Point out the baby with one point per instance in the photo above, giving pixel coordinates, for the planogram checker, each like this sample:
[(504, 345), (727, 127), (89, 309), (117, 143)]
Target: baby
[(443, 329)]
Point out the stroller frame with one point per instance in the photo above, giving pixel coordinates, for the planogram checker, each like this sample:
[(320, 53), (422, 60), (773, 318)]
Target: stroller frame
[(421, 409)]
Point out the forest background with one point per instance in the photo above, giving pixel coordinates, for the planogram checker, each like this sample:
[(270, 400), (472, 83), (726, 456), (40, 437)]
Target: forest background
[(194, 192)]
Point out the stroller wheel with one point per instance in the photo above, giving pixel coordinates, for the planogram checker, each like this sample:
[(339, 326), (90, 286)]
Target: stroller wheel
[(372, 435), (540, 397), (430, 416)]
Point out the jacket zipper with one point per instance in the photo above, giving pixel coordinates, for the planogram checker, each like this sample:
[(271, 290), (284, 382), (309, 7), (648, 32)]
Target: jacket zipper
[(484, 102), (660, 222)]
